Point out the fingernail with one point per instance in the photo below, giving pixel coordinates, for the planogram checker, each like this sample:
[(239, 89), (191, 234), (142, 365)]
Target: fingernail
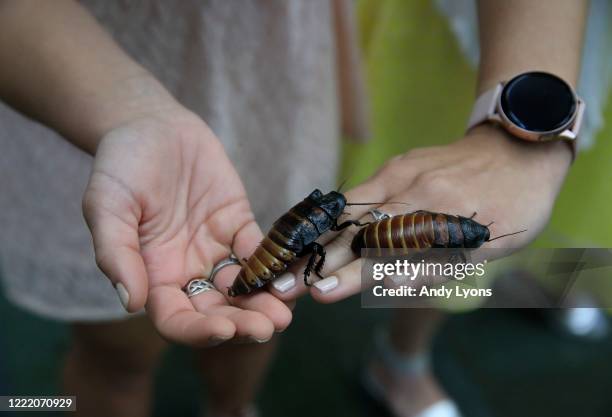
[(216, 340), (124, 296), (285, 282), (256, 340), (327, 284)]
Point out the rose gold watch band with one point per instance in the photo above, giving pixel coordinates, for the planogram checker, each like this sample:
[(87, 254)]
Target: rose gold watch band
[(485, 107)]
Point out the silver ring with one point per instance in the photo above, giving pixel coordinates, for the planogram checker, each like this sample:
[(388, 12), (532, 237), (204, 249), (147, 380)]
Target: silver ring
[(379, 215), (232, 260), (198, 286)]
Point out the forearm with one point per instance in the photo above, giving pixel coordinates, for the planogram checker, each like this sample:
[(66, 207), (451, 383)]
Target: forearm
[(518, 36), (525, 35), (61, 68)]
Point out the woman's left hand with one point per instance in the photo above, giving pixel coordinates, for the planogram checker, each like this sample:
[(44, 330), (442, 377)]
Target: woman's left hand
[(502, 179)]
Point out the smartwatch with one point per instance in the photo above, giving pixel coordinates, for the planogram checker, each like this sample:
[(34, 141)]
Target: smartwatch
[(533, 106)]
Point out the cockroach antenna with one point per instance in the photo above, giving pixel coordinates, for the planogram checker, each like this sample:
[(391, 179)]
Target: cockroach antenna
[(506, 235), (372, 204), (342, 184)]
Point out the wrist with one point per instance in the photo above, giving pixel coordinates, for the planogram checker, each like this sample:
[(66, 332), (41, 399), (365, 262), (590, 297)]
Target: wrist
[(552, 159), (129, 99)]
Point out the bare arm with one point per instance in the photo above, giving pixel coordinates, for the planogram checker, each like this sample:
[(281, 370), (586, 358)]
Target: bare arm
[(487, 171), (522, 35), (61, 68)]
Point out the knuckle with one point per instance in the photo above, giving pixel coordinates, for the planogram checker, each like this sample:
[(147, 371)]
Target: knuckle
[(435, 181), (393, 165), (393, 174)]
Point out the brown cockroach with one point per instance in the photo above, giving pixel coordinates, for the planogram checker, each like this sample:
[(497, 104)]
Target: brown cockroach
[(291, 237), (422, 230)]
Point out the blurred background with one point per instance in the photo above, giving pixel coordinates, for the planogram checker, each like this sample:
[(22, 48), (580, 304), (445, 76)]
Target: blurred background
[(494, 363)]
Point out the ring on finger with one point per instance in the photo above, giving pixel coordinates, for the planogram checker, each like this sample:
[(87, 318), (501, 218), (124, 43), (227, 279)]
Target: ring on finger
[(379, 215), (201, 285), (198, 286), (231, 260)]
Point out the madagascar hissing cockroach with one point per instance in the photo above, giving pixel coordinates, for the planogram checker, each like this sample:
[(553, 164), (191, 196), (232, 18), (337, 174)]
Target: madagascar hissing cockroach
[(293, 236), (422, 230)]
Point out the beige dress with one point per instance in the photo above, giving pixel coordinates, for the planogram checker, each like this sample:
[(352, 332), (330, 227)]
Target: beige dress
[(261, 73)]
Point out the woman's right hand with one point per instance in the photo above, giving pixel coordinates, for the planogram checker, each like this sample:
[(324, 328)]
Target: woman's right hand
[(164, 204)]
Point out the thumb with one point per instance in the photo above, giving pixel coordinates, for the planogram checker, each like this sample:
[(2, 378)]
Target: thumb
[(114, 228)]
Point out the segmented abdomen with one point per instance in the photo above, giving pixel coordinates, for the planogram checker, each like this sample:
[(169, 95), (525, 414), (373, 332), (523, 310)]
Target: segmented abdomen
[(418, 230), (270, 259)]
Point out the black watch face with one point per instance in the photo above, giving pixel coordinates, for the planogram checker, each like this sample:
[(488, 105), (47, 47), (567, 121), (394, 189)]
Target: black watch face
[(538, 102)]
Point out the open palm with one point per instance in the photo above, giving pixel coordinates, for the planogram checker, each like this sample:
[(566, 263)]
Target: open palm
[(164, 204)]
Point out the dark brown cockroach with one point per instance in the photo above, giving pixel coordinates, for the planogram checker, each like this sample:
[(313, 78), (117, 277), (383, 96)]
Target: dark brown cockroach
[(422, 230), (293, 236)]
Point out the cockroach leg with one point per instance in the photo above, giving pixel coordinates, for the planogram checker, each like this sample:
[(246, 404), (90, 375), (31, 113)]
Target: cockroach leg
[(320, 264), (291, 237), (316, 250), (338, 227)]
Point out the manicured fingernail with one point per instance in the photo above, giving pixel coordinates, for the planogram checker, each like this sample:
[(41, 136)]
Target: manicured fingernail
[(327, 284), (217, 340), (285, 282), (256, 340), (124, 296)]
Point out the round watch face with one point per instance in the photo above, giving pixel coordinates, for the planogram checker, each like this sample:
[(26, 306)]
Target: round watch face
[(538, 102)]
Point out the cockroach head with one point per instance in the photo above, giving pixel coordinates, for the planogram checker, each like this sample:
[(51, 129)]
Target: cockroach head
[(474, 233), (333, 202)]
